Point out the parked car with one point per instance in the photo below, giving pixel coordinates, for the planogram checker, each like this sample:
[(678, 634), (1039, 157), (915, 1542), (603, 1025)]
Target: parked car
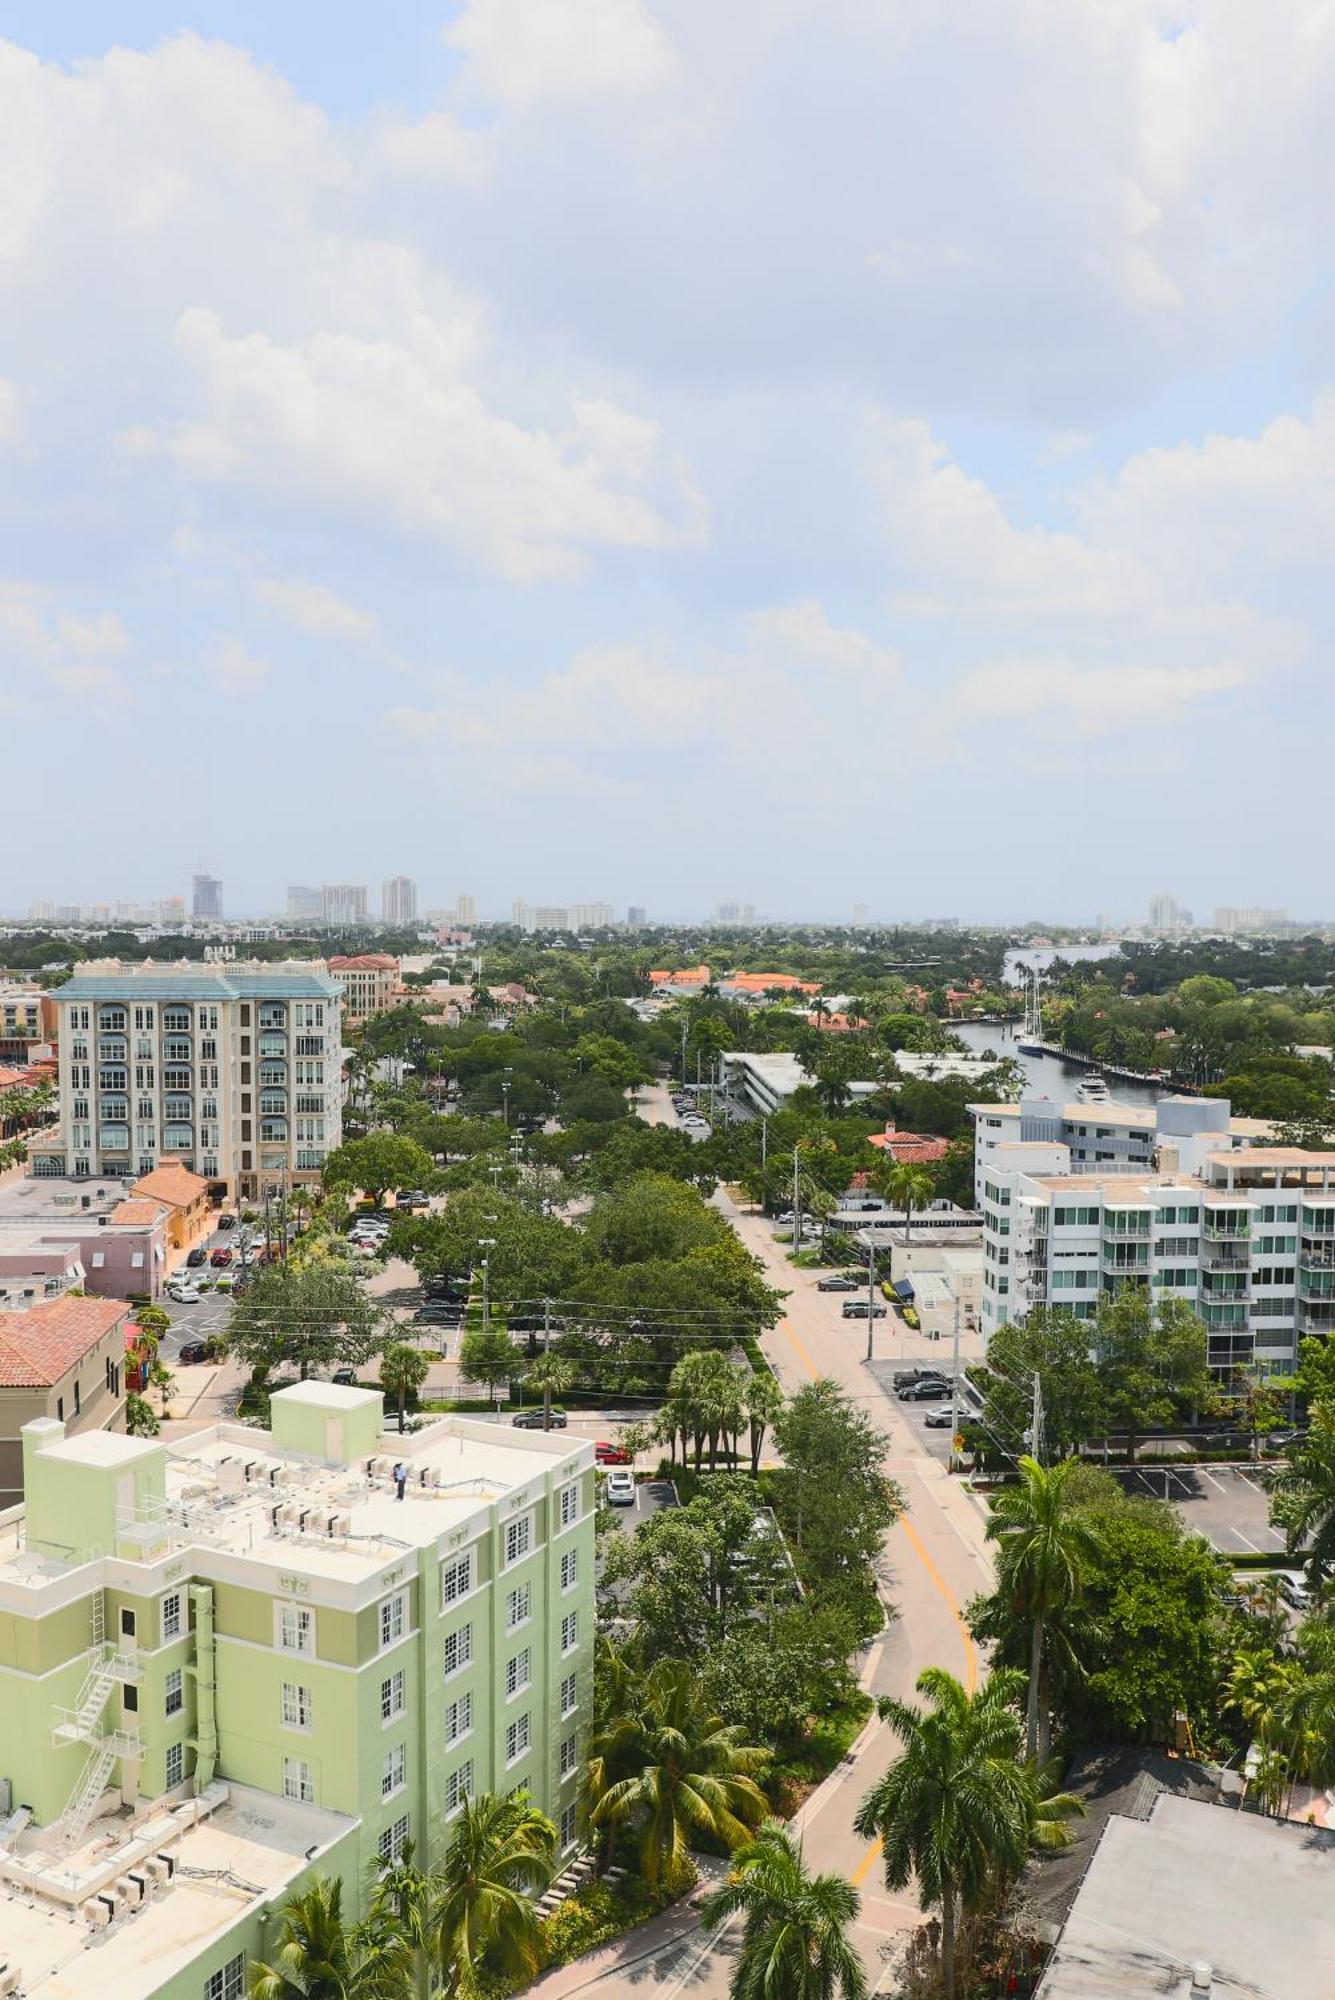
[(838, 1284), (346, 1378), (439, 1312), (605, 1453), (221, 1257), (859, 1309), (1293, 1589), (903, 1376), (182, 1293), (410, 1198), (531, 1420), (620, 1489), (929, 1391), (938, 1420), (786, 1215), (227, 1222), (196, 1258), (192, 1352)]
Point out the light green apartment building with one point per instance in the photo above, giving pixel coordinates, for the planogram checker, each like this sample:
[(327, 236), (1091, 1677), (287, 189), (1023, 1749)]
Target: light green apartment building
[(236, 1660)]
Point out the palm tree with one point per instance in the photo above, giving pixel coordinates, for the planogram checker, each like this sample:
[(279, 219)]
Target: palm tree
[(795, 1945), (764, 1402), (667, 1765), (320, 1958), (554, 1374), (401, 1904), (403, 1370), (1304, 1498), (959, 1807), (908, 1187), (1046, 1544), (501, 1851)]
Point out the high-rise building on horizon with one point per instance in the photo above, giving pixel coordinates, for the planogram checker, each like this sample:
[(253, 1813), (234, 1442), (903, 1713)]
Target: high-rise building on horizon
[(398, 900), (1230, 919), (465, 910), (636, 916), (305, 904), (343, 903), (206, 895)]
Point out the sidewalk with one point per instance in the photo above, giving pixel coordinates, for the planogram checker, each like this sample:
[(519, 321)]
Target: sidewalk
[(663, 1935)]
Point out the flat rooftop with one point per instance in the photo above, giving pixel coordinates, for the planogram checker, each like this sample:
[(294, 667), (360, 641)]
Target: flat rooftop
[(1252, 1898), (252, 1844), (231, 1488), (46, 1206), (1137, 1188)]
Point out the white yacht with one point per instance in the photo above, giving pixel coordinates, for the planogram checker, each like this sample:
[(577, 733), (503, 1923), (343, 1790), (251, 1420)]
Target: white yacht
[(1092, 1089)]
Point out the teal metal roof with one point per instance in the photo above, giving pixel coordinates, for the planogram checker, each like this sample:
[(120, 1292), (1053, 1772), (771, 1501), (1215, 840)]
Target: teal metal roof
[(201, 982)]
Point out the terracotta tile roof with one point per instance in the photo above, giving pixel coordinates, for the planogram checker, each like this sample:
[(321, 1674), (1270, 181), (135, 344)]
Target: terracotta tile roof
[(10, 1079), (173, 1183), (765, 982), (39, 1346), (690, 975), (366, 961), (133, 1214), (914, 1149)]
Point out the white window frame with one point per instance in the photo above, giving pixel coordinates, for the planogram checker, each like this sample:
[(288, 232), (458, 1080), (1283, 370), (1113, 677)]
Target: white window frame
[(518, 1739), (569, 1688), (519, 1607), (393, 1772), (173, 1686), (570, 1569), (519, 1673), (295, 1706), (392, 1699), (298, 1780), (175, 1754), (568, 1504), (458, 1719), (392, 1838), (229, 1981), (458, 1787), (462, 1640), (170, 1612), (393, 1619), (569, 1755), (518, 1539), (569, 1632), (569, 1826), (450, 1592), (294, 1628)]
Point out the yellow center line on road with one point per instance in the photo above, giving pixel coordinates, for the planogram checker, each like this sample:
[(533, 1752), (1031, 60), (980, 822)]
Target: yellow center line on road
[(785, 1328)]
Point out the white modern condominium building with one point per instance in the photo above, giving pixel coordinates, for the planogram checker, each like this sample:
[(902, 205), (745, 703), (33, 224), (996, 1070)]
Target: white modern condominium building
[(1247, 1241), (1102, 1136), (234, 1070)]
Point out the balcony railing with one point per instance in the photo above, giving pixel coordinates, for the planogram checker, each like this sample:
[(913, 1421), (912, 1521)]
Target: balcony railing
[(1227, 1232), (1227, 1258)]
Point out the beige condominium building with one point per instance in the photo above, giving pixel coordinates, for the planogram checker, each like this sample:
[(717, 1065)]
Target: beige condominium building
[(233, 1071), (367, 982), (236, 1660)]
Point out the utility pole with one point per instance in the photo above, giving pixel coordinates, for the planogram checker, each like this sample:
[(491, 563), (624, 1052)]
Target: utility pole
[(764, 1146), (871, 1295), (1036, 1420), (546, 1326), (797, 1208), (955, 1387), (683, 1051)]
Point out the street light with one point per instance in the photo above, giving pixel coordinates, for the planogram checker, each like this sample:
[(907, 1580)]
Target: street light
[(505, 1099), (486, 1243)]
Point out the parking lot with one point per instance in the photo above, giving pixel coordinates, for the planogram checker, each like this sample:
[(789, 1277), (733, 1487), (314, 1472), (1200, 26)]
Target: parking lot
[(1228, 1504)]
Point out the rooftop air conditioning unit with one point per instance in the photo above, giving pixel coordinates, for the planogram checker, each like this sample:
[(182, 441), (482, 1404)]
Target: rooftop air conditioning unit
[(158, 1869), (11, 1981), (132, 1889), (96, 1914)]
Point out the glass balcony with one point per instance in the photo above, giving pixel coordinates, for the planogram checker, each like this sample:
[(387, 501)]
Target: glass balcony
[(274, 1075), (114, 1138), (273, 1014), (176, 1020), (272, 1044), (1227, 1256), (1227, 1228), (112, 1048), (177, 1138), (273, 1131), (112, 1020), (177, 1049), (113, 1079), (273, 1104)]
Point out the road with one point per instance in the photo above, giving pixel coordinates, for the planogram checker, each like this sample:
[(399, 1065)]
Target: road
[(935, 1560)]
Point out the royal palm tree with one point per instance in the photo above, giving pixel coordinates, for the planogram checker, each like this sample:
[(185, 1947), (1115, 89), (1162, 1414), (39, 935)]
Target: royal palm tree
[(403, 1370), (554, 1374), (320, 1958), (1046, 1546), (668, 1766), (907, 1187), (795, 1945), (501, 1850), (960, 1808)]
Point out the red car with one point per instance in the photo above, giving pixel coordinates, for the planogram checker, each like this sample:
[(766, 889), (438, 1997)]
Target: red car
[(610, 1454), (221, 1256)]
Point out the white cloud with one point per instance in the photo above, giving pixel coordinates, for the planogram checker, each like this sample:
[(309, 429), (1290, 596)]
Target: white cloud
[(314, 608), (1096, 700), (526, 51), (9, 412), (236, 670), (386, 433), (436, 147), (68, 649)]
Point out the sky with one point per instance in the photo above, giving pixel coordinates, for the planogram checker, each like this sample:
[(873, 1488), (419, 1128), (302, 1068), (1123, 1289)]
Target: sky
[(801, 452)]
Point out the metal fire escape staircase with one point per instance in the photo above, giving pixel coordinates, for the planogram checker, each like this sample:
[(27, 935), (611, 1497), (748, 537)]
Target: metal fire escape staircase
[(107, 1669)]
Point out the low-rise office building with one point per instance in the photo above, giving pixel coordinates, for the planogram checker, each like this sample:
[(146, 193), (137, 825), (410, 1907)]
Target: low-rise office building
[(1102, 1136), (1248, 1244), (249, 1619), (55, 1235)]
